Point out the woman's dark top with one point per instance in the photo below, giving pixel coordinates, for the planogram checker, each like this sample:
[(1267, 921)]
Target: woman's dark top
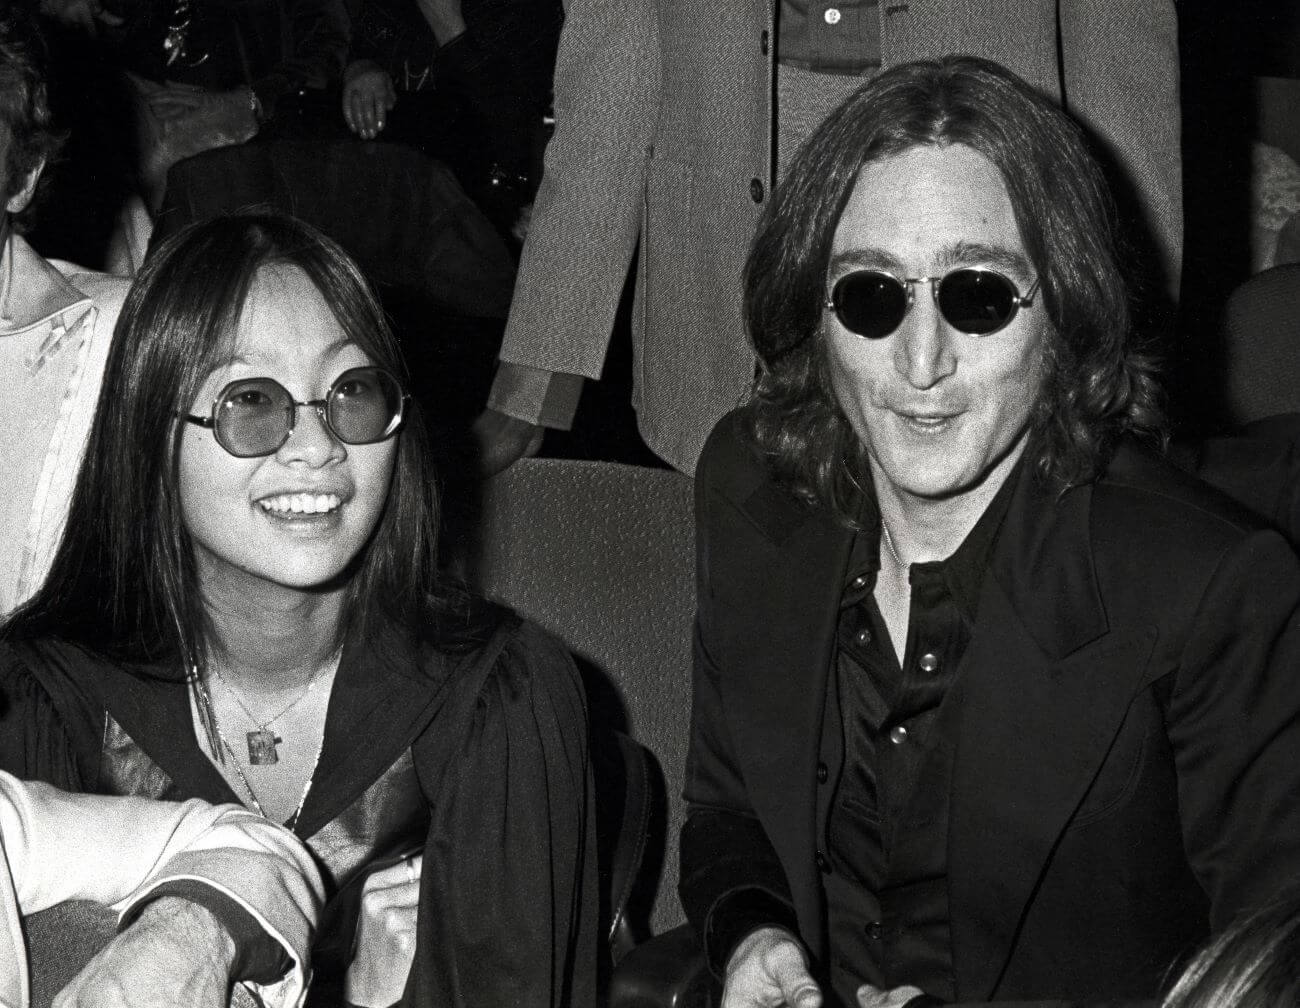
[(480, 760)]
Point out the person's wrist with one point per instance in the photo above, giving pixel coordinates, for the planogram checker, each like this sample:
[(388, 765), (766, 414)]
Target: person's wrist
[(193, 925), (358, 67)]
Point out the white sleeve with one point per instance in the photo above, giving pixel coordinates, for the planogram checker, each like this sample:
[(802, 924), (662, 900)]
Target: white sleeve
[(116, 851)]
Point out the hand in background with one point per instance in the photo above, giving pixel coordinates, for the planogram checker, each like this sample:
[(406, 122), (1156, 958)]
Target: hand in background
[(769, 969), (503, 440), (385, 949), (175, 952), (874, 997), (368, 96)]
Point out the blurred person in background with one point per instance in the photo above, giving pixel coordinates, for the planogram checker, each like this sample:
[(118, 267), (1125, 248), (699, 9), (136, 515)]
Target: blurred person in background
[(465, 81), (56, 323)]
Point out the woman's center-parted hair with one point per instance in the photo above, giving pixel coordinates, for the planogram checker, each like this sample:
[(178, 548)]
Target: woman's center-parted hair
[(1098, 382), (124, 578)]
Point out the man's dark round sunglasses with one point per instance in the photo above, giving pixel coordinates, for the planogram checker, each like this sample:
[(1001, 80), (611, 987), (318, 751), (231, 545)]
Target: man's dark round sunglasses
[(253, 417), (873, 303)]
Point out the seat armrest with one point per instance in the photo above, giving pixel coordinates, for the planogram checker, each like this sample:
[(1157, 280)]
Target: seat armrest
[(667, 971)]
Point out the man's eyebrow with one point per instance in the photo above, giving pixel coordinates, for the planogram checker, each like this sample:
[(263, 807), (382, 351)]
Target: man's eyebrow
[(979, 254), (960, 253), (868, 257)]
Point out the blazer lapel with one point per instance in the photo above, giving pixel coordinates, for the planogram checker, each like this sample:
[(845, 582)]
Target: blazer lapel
[(1044, 689), (791, 583)]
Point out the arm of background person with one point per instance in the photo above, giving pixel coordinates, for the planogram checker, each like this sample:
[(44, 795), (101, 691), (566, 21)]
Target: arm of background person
[(587, 215), (523, 401), (1119, 64), (132, 851)]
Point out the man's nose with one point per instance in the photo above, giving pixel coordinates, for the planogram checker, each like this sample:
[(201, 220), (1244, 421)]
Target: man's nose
[(924, 354)]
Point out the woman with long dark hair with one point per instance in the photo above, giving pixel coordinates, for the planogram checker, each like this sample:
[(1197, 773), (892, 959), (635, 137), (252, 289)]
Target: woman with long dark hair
[(245, 607)]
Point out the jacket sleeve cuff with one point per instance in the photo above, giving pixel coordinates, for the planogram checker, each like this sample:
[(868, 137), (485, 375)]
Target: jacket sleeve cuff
[(259, 958), (545, 398), (738, 914)]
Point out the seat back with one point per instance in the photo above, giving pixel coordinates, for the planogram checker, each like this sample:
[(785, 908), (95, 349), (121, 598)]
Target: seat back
[(1262, 352), (602, 555)]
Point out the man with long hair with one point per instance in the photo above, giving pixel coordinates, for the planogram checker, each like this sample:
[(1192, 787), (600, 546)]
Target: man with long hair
[(990, 701), (56, 322)]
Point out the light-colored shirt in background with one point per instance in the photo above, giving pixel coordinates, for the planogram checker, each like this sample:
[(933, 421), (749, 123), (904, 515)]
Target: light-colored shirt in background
[(56, 323)]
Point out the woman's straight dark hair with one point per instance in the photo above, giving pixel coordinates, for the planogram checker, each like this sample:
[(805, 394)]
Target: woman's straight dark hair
[(123, 582)]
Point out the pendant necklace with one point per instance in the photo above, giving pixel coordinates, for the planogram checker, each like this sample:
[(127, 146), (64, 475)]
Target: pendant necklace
[(208, 717), (262, 741)]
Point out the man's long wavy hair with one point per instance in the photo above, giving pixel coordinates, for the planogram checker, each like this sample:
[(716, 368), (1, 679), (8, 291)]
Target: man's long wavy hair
[(124, 582), (1098, 383)]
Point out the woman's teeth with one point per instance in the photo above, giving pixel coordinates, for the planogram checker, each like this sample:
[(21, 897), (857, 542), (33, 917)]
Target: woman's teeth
[(301, 503)]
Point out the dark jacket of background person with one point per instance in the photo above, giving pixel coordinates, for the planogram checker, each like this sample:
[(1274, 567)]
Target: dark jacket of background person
[(276, 47), (498, 71), (663, 138), (1126, 729)]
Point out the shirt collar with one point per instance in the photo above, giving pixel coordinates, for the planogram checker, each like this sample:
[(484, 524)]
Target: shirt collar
[(963, 572), (32, 291)]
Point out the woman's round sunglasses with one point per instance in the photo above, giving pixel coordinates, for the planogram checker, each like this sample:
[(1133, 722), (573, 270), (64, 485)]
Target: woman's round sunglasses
[(873, 303), (253, 417)]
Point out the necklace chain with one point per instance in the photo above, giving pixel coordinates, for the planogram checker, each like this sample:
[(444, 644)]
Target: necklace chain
[(889, 544), (285, 710), (205, 701)]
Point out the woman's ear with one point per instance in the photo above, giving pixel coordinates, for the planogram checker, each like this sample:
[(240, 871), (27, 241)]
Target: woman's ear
[(19, 201)]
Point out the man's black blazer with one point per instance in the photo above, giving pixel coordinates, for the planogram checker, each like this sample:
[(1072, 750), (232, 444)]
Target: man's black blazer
[(1127, 767)]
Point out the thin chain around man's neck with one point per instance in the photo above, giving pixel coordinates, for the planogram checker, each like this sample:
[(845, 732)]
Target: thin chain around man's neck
[(889, 544)]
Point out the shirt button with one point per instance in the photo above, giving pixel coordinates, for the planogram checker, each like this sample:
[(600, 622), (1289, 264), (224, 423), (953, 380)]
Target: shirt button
[(860, 581), (823, 865), (898, 734), (863, 636), (929, 662), (823, 773), (832, 15), (756, 190), (875, 930)]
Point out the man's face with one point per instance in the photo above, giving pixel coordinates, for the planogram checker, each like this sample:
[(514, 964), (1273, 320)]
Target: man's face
[(939, 411)]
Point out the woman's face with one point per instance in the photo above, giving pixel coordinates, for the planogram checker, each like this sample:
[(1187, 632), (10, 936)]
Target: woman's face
[(295, 518)]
